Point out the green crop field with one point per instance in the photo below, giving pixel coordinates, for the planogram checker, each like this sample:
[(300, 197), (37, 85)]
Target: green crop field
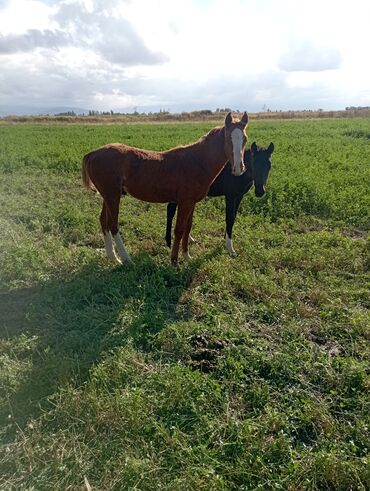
[(246, 373)]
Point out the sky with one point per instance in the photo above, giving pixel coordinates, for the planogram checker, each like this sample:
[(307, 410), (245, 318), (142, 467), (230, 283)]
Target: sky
[(183, 55)]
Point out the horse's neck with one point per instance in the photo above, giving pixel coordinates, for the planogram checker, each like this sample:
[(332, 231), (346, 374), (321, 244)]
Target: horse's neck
[(212, 152), (249, 168)]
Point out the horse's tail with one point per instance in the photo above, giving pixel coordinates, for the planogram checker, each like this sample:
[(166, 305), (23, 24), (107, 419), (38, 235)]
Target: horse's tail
[(85, 173)]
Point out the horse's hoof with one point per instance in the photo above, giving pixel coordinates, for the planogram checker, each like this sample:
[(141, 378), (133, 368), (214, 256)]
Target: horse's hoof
[(126, 264), (231, 252), (229, 246), (113, 259), (121, 262)]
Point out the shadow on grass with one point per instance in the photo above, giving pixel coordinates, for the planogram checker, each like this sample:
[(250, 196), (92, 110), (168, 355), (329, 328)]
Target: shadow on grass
[(54, 332)]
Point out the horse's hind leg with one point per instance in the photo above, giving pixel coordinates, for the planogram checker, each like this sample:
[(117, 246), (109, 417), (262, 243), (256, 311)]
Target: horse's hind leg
[(113, 210), (104, 222)]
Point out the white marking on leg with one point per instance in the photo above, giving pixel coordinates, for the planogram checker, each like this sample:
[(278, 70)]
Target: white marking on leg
[(109, 247), (237, 141), (121, 248), (186, 255), (229, 245)]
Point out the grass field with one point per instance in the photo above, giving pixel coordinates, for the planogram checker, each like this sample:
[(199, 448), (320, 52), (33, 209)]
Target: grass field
[(227, 373)]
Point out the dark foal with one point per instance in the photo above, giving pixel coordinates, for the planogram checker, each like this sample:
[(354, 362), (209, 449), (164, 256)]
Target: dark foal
[(258, 165)]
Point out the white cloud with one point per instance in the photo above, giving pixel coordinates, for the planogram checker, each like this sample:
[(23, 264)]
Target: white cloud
[(17, 16), (308, 57), (191, 54), (32, 39), (114, 38)]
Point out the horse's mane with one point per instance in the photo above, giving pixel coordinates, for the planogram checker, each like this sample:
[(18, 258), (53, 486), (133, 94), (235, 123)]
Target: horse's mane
[(200, 141), (260, 148)]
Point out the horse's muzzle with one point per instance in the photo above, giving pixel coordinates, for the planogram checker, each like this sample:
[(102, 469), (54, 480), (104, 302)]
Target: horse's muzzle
[(238, 170)]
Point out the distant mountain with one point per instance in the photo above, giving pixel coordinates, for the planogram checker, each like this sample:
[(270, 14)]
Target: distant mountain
[(35, 111)]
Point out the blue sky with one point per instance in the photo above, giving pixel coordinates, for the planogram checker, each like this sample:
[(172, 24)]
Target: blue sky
[(184, 55)]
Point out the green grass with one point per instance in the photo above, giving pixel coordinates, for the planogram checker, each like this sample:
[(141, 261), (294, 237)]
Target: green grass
[(224, 374)]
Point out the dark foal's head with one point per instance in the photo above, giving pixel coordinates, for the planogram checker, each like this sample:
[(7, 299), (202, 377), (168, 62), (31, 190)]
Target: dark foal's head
[(235, 141), (261, 165)]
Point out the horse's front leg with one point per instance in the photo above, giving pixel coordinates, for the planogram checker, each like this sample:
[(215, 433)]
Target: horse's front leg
[(238, 200), (230, 219), (186, 238), (171, 210), (184, 211)]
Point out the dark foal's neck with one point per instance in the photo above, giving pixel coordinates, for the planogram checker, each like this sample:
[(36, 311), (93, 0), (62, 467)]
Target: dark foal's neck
[(249, 167)]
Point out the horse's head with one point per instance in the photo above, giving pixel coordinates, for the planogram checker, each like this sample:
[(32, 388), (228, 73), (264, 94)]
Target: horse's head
[(235, 141), (261, 165)]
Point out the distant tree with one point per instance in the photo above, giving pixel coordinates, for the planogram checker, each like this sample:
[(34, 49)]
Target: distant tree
[(66, 113)]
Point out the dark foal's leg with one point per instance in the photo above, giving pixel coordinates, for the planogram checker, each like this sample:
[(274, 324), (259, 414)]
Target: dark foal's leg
[(113, 209), (185, 208), (230, 219), (238, 200), (105, 226), (171, 211), (186, 236)]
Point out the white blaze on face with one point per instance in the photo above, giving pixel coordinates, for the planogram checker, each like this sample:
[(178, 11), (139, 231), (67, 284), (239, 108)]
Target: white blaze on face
[(237, 141)]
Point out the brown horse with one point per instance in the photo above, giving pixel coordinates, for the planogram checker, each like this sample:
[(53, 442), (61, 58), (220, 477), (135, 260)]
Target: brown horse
[(182, 175)]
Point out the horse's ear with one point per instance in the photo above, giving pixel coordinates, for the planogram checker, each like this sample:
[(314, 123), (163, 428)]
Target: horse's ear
[(254, 147), (244, 119), (228, 119), (270, 148)]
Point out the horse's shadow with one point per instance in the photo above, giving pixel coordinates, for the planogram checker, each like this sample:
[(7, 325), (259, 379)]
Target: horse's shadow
[(57, 330)]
